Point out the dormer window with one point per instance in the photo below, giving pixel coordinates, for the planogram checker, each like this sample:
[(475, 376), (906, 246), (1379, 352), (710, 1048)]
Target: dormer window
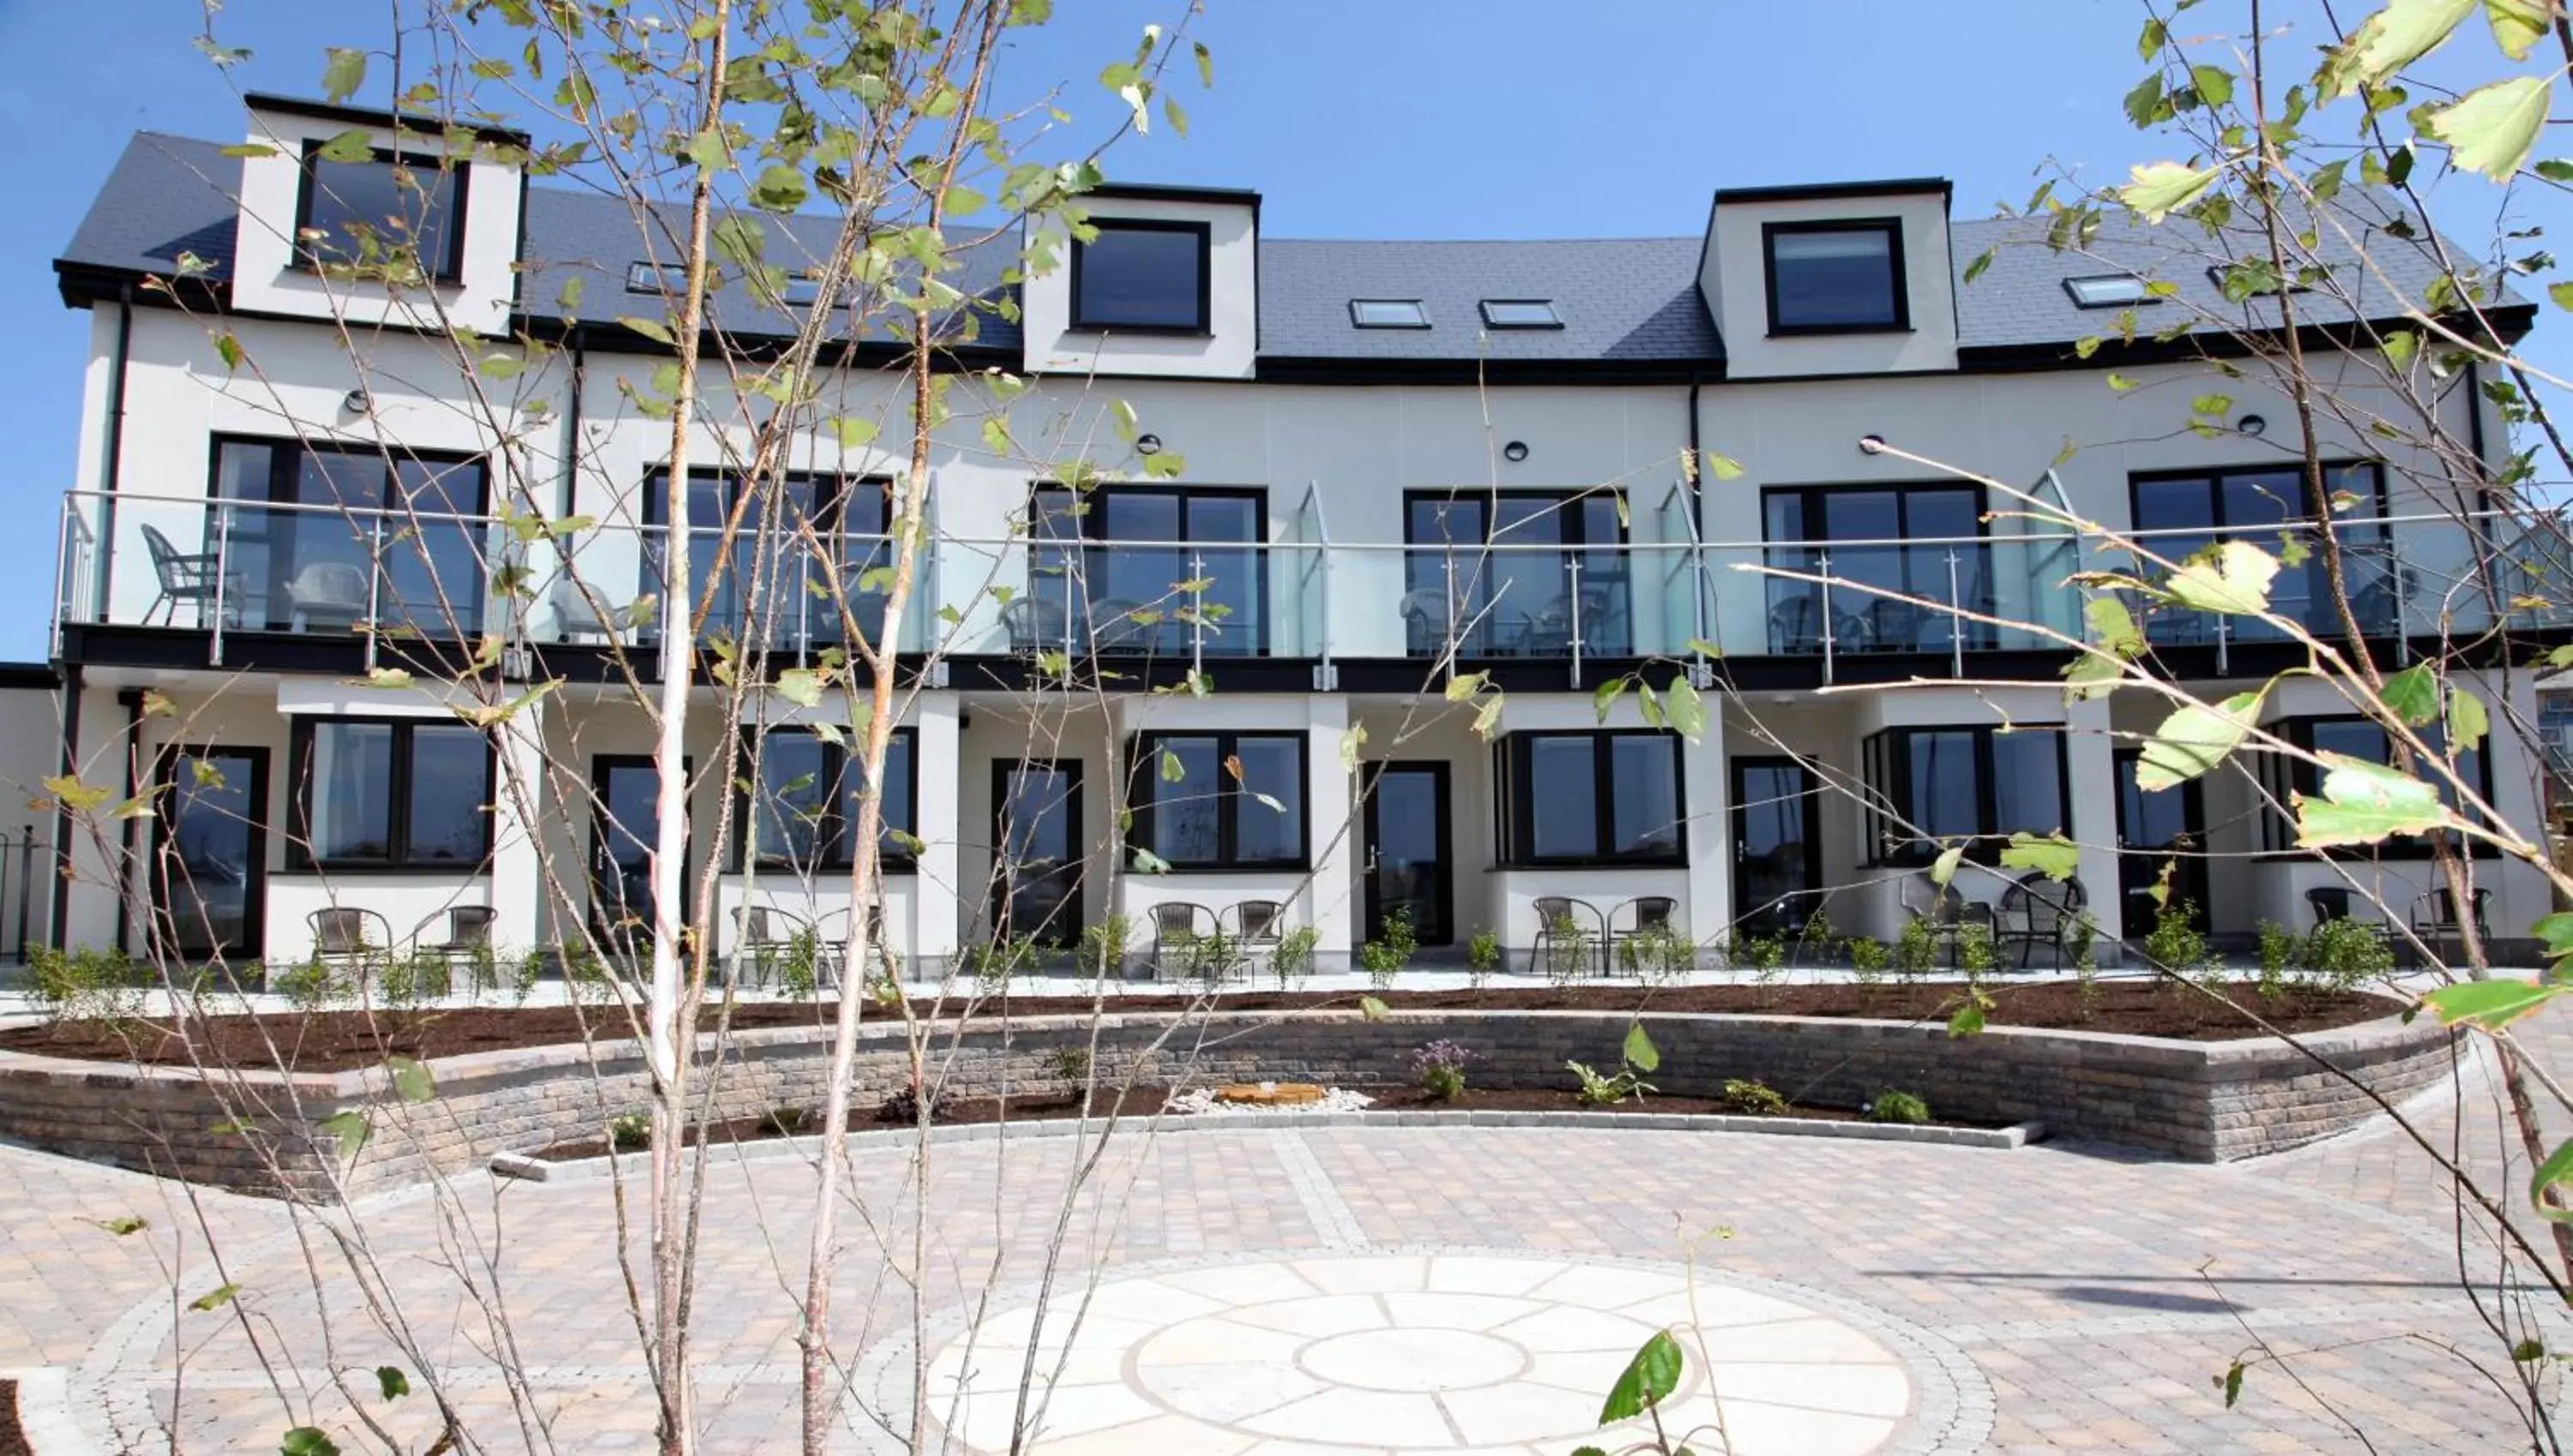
[(367, 213), (1388, 313), (1520, 314), (1836, 277), (1141, 277), (655, 278), (802, 292), (2110, 291)]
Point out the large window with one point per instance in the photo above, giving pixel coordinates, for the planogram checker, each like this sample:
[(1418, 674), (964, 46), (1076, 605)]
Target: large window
[(1221, 801), (323, 539), (773, 586), (1518, 574), (1834, 278), (1591, 798), (391, 794), (1141, 278), (388, 210), (806, 797), (2179, 514), (1919, 541), (2362, 739), (1111, 565), (1929, 788)]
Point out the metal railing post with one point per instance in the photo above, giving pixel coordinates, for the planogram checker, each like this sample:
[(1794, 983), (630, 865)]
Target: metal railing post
[(2402, 609), (1830, 653), (222, 573), (1196, 612), (375, 585), (1956, 621), (26, 885), (1573, 596), (1450, 643), (2224, 645)]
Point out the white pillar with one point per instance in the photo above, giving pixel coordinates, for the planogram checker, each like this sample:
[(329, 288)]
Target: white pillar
[(2090, 782), (937, 808), (1706, 780), (1332, 829), (518, 788)]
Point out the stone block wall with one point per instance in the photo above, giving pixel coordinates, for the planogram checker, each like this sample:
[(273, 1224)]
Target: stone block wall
[(259, 1131)]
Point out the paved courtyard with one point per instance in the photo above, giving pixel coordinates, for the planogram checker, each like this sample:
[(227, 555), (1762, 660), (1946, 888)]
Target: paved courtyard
[(1262, 1292)]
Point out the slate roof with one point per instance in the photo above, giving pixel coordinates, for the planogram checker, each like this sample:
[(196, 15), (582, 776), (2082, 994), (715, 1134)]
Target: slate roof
[(1630, 301)]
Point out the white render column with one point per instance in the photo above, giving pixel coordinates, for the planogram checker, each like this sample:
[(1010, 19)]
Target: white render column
[(1332, 829), (2091, 783), (518, 788), (1706, 784), (936, 811)]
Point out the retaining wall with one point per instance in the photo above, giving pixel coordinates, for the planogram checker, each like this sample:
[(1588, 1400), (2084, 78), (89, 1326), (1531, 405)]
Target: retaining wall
[(259, 1131)]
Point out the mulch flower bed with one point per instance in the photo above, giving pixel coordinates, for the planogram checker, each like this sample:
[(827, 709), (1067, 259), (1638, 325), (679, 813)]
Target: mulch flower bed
[(333, 1040)]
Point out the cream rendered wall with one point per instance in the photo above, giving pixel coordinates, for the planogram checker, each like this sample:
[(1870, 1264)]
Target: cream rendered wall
[(1432, 729), (1735, 281), (265, 278), (1231, 346), (1703, 887)]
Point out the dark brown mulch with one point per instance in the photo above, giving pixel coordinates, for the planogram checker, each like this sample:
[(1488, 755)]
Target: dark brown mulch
[(336, 1040), (13, 1439), (1564, 1099)]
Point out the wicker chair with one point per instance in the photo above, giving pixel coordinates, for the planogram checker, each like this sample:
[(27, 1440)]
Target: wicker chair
[(2038, 911), (1258, 926), (1562, 942), (1180, 927)]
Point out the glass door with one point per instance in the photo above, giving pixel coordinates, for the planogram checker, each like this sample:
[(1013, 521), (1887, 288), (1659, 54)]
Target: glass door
[(2162, 826), (1410, 867), (1777, 847), (1037, 808), (625, 823), (212, 867)]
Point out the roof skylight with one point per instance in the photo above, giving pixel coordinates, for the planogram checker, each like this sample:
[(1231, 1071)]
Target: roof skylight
[(1520, 314), (1388, 313), (2110, 291), (655, 277)]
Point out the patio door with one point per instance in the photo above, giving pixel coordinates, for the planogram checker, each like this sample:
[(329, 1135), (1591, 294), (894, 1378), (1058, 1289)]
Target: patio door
[(1037, 833), (1777, 845), (625, 823), (2166, 825), (210, 871), (1411, 866)]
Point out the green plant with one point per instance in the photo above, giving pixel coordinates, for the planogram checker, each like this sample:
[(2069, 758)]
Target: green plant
[(1819, 941), (584, 972), (1103, 946), (1868, 959), (1440, 1066), (1898, 1107), (1385, 956), (799, 974), (1213, 959), (1070, 1066), (2279, 948), (1753, 1099), (531, 968), (2175, 943), (630, 1132), (1292, 961), (1916, 949), (2346, 953), (309, 986), (85, 985), (1657, 953), (2086, 965), (1637, 1058), (993, 963), (1567, 950), (407, 981), (1975, 950), (784, 1121), (1482, 956)]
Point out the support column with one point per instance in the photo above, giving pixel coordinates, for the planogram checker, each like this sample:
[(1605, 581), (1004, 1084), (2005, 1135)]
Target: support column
[(937, 806), (1333, 828), (518, 788), (1706, 782), (2090, 782)]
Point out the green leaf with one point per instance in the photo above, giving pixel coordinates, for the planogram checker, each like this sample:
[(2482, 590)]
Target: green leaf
[(1173, 770), (2555, 169), (392, 1381), (1968, 1019), (2364, 803), (2492, 128), (342, 73), (1639, 1052), (2214, 407), (2562, 294), (801, 686), (1684, 709), (2121, 383), (2392, 39), (386, 678), (2413, 694), (996, 434), (2518, 25), (349, 1129), (2152, 39), (1944, 868), (962, 202), (229, 349), (352, 144), (125, 1225), (2052, 855), (2157, 188), (708, 151), (2556, 932), (2468, 721), (2194, 739), (851, 433), (780, 189), (1653, 1375), (1351, 743), (1704, 649), (1205, 65), (2232, 1383), (2090, 676), (2557, 1169), (2112, 627), (2231, 578), (1373, 1009), (2527, 1350), (2214, 83), (413, 1082), (2492, 1005), (1170, 113), (1722, 466), (307, 1441), (215, 1298), (76, 796), (1983, 261), (1149, 863), (651, 328), (1607, 695)]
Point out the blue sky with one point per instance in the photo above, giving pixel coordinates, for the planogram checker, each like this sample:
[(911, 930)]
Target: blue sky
[(1354, 118)]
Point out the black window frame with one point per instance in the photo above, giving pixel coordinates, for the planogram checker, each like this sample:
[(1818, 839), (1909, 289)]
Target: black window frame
[(1205, 233), (281, 474), (1087, 510), (448, 270), (1514, 808), (2279, 775), (1571, 505), (2145, 296), (1895, 263), (654, 278), (1812, 512), (1419, 309), (1885, 773), (298, 848), (1144, 772), (1553, 315), (283, 471), (831, 833), (2267, 532)]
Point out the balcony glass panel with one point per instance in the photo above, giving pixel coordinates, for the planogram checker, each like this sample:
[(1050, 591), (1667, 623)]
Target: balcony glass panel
[(1517, 575)]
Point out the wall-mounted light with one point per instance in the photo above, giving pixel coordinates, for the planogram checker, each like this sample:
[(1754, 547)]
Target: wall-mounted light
[(355, 402), (1871, 444), (1147, 444), (2251, 425), (1514, 452)]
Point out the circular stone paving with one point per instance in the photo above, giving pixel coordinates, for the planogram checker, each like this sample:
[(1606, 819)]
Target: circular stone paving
[(1485, 1352)]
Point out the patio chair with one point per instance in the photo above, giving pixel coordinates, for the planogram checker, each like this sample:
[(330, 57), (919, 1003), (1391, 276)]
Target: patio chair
[(2038, 911), (1036, 624), (1180, 927), (329, 593), (347, 938), (1643, 916), (2434, 917), (1258, 926), (1564, 946), (1112, 627), (1945, 912), (1428, 620), (577, 617), (834, 928), (764, 937), (467, 929), (2328, 902), (184, 578)]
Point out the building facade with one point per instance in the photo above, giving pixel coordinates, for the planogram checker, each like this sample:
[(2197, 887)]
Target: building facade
[(1333, 469)]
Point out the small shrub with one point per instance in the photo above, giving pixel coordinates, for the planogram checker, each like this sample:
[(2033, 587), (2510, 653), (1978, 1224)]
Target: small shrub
[(799, 974), (1868, 957), (1916, 949), (1482, 956), (1103, 946), (1292, 961), (1659, 954), (531, 968), (1898, 1107), (1440, 1068), (784, 1121), (1975, 950), (311, 985), (1384, 958), (85, 985), (1819, 941), (1213, 959), (1752, 1098), (2175, 943), (1567, 950), (1071, 1066), (1638, 1056), (2279, 948), (422, 976), (630, 1132), (993, 965), (2346, 955), (903, 1108)]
